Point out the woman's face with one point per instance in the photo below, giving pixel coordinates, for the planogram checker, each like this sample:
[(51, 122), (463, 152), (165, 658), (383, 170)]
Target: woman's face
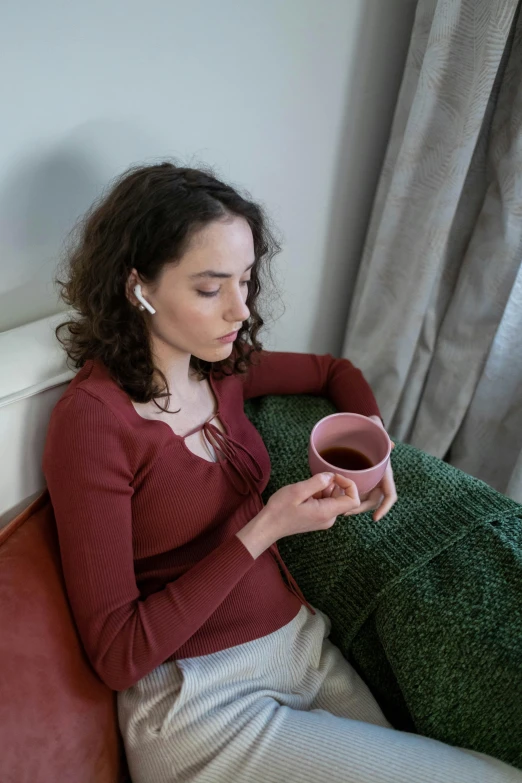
[(202, 298)]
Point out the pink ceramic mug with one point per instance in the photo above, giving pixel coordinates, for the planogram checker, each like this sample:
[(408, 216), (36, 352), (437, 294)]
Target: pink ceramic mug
[(353, 431)]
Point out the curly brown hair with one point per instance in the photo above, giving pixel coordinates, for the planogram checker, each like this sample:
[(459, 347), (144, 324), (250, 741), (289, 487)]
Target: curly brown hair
[(146, 221)]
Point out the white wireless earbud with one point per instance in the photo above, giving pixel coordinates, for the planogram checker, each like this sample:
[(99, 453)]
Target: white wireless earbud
[(139, 296)]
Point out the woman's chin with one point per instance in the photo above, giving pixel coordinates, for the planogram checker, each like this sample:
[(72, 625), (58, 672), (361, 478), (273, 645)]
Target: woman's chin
[(224, 350), (219, 353)]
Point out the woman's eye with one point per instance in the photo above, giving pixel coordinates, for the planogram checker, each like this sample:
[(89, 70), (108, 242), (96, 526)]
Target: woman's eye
[(215, 293)]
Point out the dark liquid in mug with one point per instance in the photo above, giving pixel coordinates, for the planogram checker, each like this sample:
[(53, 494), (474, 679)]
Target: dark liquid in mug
[(346, 458)]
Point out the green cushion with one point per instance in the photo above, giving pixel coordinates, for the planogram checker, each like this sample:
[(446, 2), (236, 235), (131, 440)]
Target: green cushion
[(426, 603)]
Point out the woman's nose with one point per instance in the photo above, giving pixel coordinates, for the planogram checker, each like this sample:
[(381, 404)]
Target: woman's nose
[(238, 311)]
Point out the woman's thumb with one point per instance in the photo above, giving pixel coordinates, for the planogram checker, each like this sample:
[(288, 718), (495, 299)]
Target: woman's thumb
[(315, 484)]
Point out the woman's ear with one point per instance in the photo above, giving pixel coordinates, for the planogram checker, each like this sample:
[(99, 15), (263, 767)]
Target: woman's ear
[(132, 281), (135, 295)]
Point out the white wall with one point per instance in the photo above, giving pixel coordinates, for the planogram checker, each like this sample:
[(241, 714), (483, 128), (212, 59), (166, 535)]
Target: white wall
[(292, 99)]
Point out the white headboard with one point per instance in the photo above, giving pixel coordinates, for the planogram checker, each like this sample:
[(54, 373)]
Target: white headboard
[(33, 376)]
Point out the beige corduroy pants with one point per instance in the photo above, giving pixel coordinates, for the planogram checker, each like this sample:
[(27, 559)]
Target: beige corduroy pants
[(285, 708)]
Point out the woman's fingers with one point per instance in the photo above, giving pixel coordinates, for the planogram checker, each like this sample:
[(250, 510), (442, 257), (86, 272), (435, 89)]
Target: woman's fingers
[(381, 499), (389, 491), (344, 497), (325, 493), (344, 488), (347, 486), (372, 502)]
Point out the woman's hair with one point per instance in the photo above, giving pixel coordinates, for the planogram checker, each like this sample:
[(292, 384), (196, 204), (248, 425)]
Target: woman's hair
[(145, 221)]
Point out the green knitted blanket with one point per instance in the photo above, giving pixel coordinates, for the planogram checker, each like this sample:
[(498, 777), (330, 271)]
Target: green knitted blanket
[(427, 603)]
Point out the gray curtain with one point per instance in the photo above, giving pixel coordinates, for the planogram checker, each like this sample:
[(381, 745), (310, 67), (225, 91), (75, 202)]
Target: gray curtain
[(436, 316)]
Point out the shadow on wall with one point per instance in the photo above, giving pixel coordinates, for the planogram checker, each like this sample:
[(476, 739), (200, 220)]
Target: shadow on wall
[(40, 202), (380, 56), (42, 198)]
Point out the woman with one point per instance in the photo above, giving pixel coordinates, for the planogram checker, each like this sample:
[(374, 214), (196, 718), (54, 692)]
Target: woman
[(224, 671)]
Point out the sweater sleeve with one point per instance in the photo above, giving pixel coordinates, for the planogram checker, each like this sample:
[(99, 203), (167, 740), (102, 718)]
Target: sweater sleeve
[(89, 476), (294, 373)]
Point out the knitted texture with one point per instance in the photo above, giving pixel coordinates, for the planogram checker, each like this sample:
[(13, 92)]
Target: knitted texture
[(427, 603)]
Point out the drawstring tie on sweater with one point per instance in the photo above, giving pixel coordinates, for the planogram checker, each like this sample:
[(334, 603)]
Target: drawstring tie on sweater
[(244, 475)]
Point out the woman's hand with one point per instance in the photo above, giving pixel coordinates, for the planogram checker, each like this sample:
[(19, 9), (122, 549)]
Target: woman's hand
[(386, 486), (380, 499), (298, 508)]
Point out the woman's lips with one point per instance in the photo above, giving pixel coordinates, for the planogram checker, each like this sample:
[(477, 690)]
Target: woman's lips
[(228, 338)]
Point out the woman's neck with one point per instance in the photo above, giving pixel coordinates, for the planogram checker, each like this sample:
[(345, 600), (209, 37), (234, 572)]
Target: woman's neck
[(175, 366)]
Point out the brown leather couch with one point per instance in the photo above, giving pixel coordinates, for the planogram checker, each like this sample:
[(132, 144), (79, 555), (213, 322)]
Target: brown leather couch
[(58, 721)]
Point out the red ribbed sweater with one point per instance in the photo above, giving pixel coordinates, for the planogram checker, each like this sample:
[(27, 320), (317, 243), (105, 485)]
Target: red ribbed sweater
[(152, 565)]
